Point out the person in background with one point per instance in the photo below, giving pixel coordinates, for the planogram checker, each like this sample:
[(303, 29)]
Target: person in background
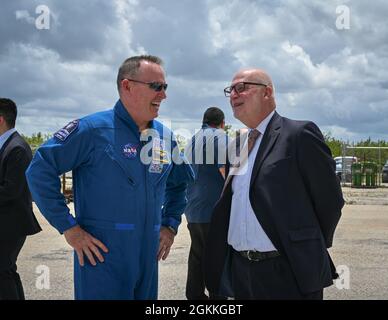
[(208, 153), (17, 219)]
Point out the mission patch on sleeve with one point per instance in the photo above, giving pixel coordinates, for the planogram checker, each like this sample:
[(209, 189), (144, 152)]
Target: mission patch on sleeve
[(67, 130)]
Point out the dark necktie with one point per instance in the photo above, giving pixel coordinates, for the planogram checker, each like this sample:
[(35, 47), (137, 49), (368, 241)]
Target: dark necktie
[(252, 137)]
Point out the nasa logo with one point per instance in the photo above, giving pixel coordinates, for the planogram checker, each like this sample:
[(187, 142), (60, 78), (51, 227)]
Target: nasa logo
[(130, 150)]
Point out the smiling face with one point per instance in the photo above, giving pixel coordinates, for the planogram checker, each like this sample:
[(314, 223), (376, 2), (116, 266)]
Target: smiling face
[(255, 103), (140, 100)]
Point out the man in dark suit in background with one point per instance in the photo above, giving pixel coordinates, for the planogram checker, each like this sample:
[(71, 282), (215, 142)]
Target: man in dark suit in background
[(17, 219), (272, 226)]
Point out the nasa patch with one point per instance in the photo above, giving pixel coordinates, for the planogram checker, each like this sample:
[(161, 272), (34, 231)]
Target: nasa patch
[(67, 130), (130, 150)]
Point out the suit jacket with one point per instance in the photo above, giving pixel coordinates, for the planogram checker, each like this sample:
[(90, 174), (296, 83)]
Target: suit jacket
[(16, 216), (297, 199)]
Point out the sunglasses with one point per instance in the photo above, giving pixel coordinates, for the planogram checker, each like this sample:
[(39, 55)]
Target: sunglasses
[(156, 86)]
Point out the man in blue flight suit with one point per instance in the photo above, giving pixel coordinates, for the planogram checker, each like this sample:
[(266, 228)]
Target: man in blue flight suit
[(128, 202), (207, 152)]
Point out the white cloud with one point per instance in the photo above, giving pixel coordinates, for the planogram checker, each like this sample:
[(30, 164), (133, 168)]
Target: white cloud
[(342, 132), (337, 78), (24, 15)]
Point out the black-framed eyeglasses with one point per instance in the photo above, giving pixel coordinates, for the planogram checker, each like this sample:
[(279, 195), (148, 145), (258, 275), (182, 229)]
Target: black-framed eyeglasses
[(240, 87), (156, 86)]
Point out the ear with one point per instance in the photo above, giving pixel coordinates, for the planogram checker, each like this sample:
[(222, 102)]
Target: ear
[(268, 92), (125, 85), (3, 125)]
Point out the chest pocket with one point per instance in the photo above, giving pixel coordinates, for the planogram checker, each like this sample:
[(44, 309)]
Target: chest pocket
[(121, 163)]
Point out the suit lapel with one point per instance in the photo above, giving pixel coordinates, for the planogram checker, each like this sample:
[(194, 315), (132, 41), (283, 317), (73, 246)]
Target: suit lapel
[(13, 135), (270, 136)]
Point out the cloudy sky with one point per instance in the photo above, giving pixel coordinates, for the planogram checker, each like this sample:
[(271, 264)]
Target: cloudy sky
[(327, 66)]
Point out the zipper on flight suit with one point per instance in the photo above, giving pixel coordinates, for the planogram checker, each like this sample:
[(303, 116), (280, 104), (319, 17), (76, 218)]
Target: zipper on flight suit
[(111, 153)]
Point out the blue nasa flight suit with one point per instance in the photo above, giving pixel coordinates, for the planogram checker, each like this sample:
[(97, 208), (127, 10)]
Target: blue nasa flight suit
[(118, 199)]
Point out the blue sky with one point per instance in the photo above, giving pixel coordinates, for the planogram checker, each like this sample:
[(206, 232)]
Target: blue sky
[(336, 77)]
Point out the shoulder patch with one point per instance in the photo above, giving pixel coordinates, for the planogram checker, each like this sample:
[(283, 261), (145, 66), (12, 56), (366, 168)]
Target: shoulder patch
[(67, 130)]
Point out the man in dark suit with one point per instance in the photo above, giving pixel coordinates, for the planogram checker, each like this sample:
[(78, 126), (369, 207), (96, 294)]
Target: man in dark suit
[(17, 219), (277, 214)]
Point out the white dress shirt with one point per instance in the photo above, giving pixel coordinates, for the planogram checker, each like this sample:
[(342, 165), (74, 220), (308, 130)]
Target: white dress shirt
[(4, 137), (245, 231)]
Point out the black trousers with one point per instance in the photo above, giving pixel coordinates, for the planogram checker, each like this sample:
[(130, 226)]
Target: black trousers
[(195, 285), (10, 284), (270, 279)]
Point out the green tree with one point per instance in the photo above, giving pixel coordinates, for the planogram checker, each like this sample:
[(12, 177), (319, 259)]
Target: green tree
[(36, 140), (338, 148), (229, 131), (374, 155), (335, 145)]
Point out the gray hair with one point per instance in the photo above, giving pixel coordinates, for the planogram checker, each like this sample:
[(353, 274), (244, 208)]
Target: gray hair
[(130, 67)]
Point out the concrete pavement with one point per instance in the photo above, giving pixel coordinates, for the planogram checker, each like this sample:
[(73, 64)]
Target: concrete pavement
[(360, 244)]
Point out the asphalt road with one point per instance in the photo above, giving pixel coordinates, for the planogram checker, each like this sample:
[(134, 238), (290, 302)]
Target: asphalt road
[(360, 251)]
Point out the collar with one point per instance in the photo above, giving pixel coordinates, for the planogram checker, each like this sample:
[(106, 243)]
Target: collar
[(263, 124), (4, 137), (124, 115)]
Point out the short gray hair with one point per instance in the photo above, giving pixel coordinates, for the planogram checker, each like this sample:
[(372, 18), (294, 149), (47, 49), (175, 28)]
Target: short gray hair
[(130, 67)]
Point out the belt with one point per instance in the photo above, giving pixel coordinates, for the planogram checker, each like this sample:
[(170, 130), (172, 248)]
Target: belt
[(258, 256)]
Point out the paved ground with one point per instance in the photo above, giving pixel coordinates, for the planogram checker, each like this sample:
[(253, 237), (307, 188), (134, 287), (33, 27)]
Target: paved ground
[(361, 244)]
